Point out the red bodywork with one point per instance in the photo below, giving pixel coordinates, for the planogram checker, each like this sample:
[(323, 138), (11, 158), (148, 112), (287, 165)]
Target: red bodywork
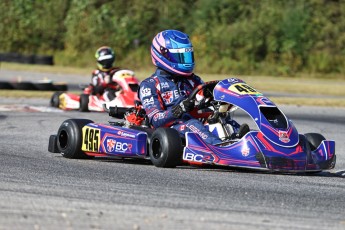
[(125, 96)]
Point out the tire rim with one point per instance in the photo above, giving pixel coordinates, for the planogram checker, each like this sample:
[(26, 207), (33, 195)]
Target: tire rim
[(63, 139), (156, 149)]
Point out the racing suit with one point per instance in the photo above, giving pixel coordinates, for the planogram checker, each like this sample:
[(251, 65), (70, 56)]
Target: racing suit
[(102, 82), (160, 92)]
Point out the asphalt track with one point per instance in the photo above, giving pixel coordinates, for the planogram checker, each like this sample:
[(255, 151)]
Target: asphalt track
[(42, 190)]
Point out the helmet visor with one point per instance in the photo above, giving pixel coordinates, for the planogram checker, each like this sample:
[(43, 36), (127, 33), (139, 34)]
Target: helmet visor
[(181, 55), (106, 63)]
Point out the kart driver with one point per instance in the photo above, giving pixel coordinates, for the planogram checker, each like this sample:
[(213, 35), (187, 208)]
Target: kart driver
[(101, 79), (164, 95)]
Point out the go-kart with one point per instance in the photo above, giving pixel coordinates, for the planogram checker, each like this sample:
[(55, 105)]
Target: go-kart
[(125, 96), (275, 144)]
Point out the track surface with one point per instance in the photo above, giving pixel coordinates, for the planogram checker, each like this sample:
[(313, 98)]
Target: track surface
[(42, 190)]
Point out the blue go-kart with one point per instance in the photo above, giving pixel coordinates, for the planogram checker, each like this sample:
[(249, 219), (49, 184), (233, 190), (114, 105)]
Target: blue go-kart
[(274, 145)]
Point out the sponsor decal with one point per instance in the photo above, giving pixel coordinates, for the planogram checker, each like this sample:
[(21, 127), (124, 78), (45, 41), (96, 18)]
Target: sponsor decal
[(233, 80), (151, 113), (245, 151), (177, 93), (192, 157), (182, 127), (164, 85), (158, 116), (117, 146), (145, 92), (148, 101), (189, 49), (123, 134), (196, 130), (181, 50), (182, 92), (283, 136), (110, 145), (123, 147), (167, 97), (264, 101)]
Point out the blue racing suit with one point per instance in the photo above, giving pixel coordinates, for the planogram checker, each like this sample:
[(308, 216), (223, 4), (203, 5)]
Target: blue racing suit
[(160, 92)]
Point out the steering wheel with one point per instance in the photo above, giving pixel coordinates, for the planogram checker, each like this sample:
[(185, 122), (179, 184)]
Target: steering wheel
[(205, 86)]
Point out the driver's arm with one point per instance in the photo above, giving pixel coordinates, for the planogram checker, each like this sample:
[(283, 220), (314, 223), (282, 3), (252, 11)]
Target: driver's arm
[(158, 114), (196, 81)]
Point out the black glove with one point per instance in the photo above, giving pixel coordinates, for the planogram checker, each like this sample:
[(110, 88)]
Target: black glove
[(207, 92), (98, 89), (185, 106)]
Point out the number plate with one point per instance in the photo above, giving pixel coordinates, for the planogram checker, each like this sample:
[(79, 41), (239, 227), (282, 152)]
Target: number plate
[(242, 88), (91, 139)]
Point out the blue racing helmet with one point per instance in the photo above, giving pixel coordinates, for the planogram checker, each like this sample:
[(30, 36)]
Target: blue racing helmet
[(172, 51)]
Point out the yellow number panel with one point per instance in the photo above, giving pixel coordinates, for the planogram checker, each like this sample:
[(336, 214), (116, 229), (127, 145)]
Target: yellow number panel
[(91, 139), (242, 88)]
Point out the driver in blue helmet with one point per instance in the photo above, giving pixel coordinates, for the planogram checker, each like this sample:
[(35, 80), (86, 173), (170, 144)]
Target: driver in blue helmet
[(164, 95)]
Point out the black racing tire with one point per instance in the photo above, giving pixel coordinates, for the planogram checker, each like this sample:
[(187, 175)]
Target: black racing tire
[(5, 85), (84, 103), (166, 148), (55, 100), (314, 140), (43, 59), (69, 138), (44, 86), (24, 85), (28, 59), (60, 86)]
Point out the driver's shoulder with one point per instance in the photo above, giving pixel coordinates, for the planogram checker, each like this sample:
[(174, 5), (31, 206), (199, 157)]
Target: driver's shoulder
[(194, 80), (113, 70), (153, 80), (148, 81)]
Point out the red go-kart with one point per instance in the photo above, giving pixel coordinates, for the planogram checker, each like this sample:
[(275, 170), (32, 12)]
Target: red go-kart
[(125, 96)]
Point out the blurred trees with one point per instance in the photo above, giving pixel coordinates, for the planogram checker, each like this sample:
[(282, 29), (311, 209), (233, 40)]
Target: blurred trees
[(229, 36)]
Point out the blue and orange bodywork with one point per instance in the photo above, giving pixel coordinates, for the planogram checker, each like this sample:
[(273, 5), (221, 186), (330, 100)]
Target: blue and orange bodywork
[(277, 145), (106, 140)]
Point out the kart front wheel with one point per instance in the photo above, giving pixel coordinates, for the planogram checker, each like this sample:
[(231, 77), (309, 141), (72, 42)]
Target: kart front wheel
[(314, 140), (166, 148), (84, 103), (69, 138), (55, 100)]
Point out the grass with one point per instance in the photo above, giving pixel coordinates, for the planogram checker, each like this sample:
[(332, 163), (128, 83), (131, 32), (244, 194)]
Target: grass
[(28, 93), (323, 88), (311, 86), (303, 101), (45, 68)]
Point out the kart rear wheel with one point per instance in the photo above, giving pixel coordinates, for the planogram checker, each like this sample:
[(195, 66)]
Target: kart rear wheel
[(166, 148), (54, 100), (314, 140), (84, 103), (69, 138)]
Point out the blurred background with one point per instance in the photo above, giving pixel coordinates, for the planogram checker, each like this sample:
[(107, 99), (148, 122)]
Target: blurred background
[(244, 37)]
